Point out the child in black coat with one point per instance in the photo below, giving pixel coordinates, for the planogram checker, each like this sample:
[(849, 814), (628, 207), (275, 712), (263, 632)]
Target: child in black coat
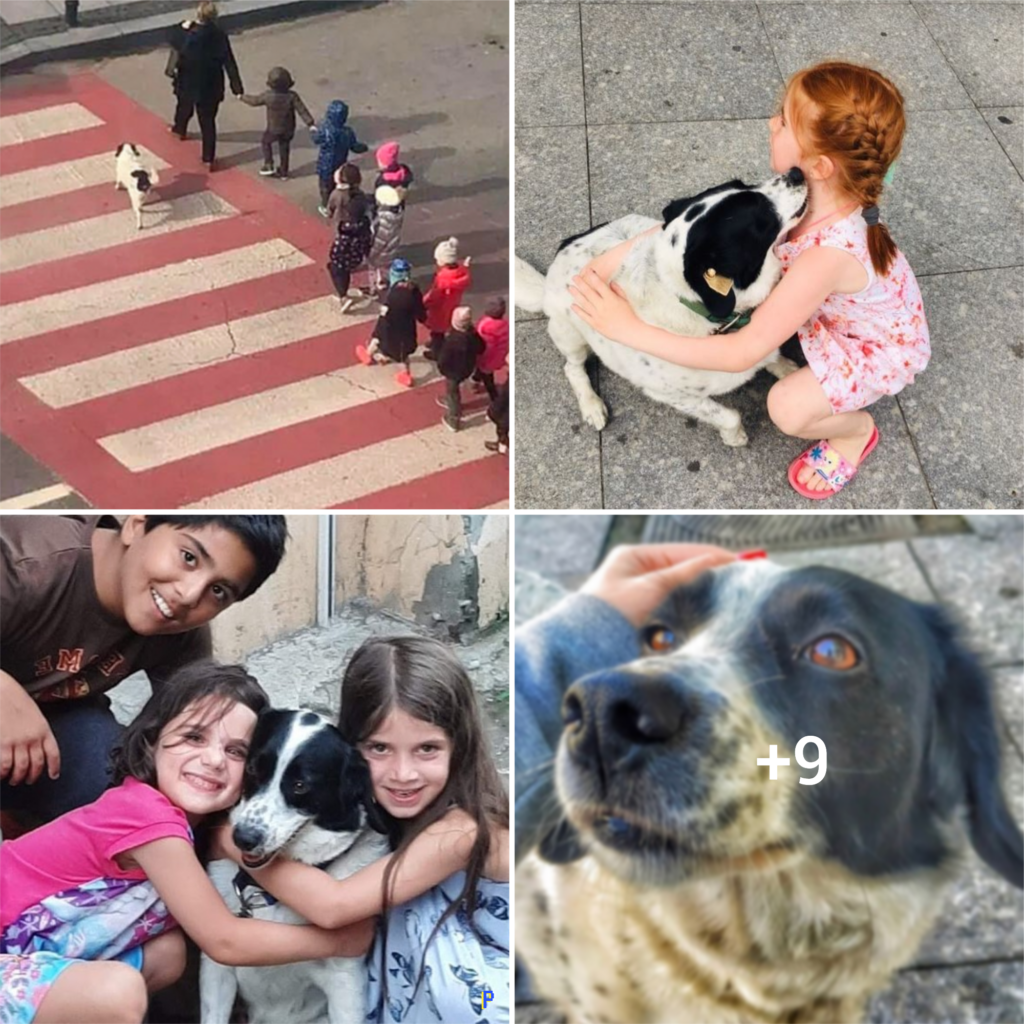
[(394, 335), (457, 360)]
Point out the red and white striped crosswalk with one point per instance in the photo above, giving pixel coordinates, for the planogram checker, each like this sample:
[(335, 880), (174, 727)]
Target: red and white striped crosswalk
[(202, 361)]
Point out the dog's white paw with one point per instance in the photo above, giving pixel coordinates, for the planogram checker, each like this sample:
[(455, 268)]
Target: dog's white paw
[(781, 367), (594, 411), (734, 437)]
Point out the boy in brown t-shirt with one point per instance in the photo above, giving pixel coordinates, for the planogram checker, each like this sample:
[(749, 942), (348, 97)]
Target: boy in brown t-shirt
[(86, 601)]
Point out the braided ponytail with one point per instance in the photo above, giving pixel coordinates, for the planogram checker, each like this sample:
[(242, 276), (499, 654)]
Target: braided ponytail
[(853, 115)]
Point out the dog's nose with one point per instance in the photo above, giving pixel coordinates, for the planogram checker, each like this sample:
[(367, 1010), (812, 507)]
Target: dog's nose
[(795, 176), (247, 837), (620, 719)]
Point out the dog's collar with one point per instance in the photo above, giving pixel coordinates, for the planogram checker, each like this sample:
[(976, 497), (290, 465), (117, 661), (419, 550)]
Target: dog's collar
[(251, 895), (726, 325)]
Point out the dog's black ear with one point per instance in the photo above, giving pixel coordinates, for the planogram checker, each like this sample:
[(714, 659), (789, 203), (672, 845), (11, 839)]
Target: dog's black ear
[(967, 738), (134, 148), (356, 779), (117, 152), (140, 174)]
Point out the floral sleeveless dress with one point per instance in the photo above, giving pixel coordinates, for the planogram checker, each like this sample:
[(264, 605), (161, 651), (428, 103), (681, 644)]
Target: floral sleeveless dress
[(464, 980), (105, 919), (868, 344)]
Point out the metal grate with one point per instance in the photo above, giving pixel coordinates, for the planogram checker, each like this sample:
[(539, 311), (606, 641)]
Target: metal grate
[(778, 532)]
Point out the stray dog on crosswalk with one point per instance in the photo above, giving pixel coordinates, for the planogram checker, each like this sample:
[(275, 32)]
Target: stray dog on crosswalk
[(130, 174)]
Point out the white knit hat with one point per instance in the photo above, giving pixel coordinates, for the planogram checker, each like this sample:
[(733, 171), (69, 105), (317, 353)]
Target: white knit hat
[(447, 251)]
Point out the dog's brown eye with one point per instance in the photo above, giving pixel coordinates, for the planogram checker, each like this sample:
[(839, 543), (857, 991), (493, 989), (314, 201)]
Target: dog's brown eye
[(833, 652), (659, 639)]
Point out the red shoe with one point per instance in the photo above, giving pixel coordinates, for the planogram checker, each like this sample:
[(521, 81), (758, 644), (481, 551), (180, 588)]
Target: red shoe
[(363, 355), (403, 378), (832, 467)]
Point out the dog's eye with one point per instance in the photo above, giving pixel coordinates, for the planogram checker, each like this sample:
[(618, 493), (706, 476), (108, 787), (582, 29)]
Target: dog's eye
[(833, 652), (298, 786), (659, 639)]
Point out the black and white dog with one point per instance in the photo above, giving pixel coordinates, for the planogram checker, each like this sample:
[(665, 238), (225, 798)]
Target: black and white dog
[(130, 174), (307, 795), (711, 263), (750, 890)]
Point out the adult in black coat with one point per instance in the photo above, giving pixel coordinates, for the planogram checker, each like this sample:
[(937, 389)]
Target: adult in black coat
[(200, 54)]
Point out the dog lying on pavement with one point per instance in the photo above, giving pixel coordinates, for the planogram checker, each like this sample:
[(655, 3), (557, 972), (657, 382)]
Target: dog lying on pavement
[(307, 795), (690, 884), (712, 262), (130, 174)]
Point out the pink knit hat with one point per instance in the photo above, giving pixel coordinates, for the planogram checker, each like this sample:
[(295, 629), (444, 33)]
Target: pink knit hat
[(462, 318), (387, 154)]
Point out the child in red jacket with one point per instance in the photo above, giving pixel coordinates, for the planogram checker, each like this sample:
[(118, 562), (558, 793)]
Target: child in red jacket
[(493, 329), (451, 279)]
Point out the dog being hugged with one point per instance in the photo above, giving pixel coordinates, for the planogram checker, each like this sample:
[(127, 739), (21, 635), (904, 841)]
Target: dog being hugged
[(711, 264), (691, 882), (307, 795), (130, 174)]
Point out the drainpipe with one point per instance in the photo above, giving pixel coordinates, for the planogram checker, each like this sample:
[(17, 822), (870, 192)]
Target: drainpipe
[(324, 569)]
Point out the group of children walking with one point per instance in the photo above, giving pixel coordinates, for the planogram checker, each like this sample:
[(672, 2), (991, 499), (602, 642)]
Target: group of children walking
[(369, 232)]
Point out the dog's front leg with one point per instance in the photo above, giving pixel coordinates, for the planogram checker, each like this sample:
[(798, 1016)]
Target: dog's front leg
[(726, 421), (343, 981), (218, 986)]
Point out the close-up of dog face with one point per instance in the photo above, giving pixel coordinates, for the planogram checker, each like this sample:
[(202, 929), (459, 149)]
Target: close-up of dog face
[(658, 765), (304, 787), (721, 240)]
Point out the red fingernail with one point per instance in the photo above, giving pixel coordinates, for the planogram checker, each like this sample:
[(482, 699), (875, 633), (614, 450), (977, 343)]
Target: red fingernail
[(749, 556)]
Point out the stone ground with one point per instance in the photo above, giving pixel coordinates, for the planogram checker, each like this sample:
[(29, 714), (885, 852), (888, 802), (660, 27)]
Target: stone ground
[(970, 968), (623, 106)]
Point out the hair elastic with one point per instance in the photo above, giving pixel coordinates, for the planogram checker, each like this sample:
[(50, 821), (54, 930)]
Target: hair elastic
[(870, 216)]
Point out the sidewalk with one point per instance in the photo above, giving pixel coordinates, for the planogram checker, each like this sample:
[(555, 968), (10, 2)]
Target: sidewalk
[(969, 968), (621, 107), (33, 31)]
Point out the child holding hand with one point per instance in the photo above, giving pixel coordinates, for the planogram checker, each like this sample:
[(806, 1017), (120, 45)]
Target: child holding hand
[(847, 290), (442, 951), (282, 104), (451, 279), (93, 901)]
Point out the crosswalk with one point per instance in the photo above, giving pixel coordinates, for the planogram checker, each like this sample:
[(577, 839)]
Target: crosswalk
[(201, 361)]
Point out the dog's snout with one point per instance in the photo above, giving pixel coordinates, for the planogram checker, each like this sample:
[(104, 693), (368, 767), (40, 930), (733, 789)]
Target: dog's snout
[(247, 837), (795, 176), (617, 719)]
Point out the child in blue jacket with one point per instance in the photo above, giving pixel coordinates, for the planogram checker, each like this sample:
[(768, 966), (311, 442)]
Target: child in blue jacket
[(335, 138)]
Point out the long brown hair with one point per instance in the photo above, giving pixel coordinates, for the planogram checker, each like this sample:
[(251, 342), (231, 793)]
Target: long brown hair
[(423, 678), (227, 684), (854, 116)]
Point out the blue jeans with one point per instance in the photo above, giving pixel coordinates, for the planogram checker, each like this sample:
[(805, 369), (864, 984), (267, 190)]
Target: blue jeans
[(86, 731)]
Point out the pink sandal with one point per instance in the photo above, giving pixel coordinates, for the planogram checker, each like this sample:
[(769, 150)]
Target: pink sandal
[(832, 467), (363, 355)]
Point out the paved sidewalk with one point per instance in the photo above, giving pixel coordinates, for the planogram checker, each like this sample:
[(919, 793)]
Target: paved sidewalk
[(33, 31), (623, 106), (969, 969)]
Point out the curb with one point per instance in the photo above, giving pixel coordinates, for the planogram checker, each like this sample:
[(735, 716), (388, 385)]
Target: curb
[(144, 33)]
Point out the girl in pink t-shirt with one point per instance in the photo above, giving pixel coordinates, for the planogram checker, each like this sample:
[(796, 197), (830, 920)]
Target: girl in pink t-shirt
[(847, 290), (90, 903)]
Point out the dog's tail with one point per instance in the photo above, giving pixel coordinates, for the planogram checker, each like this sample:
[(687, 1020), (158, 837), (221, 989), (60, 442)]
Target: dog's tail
[(529, 287)]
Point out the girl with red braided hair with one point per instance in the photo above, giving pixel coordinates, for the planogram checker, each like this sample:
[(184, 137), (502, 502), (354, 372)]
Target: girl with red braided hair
[(847, 291)]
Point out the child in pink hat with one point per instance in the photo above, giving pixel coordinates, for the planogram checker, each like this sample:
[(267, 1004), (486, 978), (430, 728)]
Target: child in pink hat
[(392, 173)]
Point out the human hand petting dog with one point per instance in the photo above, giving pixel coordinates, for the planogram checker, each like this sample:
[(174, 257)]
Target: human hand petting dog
[(603, 307), (635, 578)]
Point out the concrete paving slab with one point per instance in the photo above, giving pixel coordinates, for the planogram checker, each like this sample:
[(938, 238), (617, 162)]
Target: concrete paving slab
[(716, 57), (1009, 683), (559, 466), (889, 36), (955, 202), (984, 52), (653, 457), (979, 994), (555, 203), (565, 549), (1007, 124), (981, 581), (965, 411), (550, 70)]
